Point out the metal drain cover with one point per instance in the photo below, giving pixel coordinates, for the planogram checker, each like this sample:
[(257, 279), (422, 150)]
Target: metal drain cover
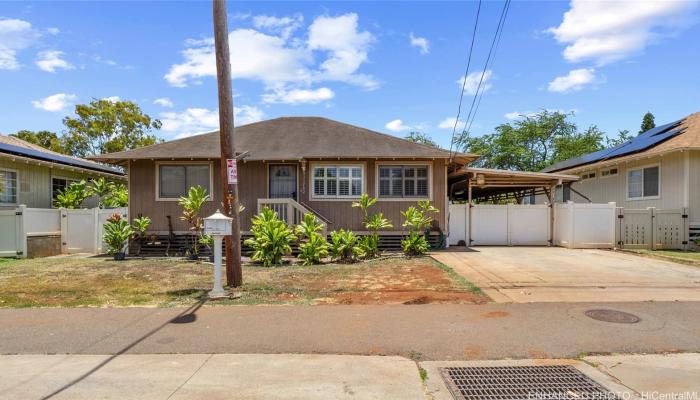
[(618, 317), (523, 382)]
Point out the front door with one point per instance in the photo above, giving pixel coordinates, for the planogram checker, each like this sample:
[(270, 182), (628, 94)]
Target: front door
[(283, 181)]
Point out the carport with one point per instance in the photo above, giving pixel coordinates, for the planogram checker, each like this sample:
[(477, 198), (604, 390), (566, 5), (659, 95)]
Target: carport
[(488, 206)]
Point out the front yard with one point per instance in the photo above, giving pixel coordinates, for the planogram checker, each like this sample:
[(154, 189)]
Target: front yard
[(680, 256), (101, 282)]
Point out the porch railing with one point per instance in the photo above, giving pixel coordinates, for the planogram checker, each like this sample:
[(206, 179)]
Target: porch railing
[(290, 211)]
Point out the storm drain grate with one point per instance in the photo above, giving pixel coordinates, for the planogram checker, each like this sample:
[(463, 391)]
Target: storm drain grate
[(518, 383)]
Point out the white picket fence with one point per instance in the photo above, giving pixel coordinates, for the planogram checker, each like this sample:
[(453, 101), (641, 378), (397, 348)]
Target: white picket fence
[(652, 228), (80, 231)]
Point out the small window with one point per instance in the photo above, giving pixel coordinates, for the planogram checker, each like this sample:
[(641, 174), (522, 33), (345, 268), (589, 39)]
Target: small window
[(8, 187), (608, 172), (643, 183), (587, 175), (337, 181), (175, 180), (58, 185), (403, 181)]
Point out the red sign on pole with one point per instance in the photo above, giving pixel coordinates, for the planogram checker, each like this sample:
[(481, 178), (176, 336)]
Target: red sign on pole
[(232, 172)]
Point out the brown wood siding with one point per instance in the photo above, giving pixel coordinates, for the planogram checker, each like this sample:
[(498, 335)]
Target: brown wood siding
[(253, 184)]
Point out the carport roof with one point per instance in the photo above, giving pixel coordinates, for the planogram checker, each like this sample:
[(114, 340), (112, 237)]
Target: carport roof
[(488, 182)]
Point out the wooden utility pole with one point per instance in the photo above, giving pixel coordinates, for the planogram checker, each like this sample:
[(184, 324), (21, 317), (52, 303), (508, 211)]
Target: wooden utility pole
[(234, 274)]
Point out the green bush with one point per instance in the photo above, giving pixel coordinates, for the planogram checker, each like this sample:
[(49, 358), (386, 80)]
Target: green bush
[(271, 239), (72, 197), (313, 247), (191, 208), (140, 226), (373, 223), (117, 234), (417, 222), (345, 246)]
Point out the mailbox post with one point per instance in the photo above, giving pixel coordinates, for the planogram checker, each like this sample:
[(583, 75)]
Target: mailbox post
[(217, 225)]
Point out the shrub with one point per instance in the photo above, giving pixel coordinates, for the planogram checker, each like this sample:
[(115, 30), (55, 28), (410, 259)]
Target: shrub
[(313, 247), (101, 188), (417, 221), (118, 197), (140, 226), (271, 239), (117, 234), (345, 246), (72, 196), (373, 223), (191, 208)]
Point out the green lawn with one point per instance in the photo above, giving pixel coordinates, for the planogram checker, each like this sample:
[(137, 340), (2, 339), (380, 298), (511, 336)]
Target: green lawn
[(101, 282), (685, 257)]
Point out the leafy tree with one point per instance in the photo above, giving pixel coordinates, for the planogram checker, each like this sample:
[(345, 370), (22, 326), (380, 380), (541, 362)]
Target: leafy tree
[(623, 135), (422, 138), (533, 142), (647, 122), (46, 139), (105, 126)]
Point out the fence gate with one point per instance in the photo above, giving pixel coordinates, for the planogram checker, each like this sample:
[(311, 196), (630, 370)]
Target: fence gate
[(510, 225), (78, 231), (651, 228), (10, 234)]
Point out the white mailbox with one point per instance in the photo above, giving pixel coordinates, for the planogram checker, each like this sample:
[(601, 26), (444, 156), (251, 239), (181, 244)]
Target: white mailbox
[(217, 225)]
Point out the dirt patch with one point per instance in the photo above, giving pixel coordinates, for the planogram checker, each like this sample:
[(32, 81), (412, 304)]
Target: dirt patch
[(473, 352), (537, 354), (495, 314)]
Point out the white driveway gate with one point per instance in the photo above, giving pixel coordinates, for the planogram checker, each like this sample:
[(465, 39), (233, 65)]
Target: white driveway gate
[(10, 233), (510, 225)]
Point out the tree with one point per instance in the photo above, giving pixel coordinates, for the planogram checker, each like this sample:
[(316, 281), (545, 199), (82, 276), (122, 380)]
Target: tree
[(422, 138), (623, 135), (46, 139), (532, 143), (106, 126), (647, 122)]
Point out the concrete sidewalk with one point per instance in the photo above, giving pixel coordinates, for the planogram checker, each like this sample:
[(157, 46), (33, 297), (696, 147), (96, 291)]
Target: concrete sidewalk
[(308, 377), (427, 332)]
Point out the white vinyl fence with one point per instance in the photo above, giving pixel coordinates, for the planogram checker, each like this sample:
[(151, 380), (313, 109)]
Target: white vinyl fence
[(80, 231), (584, 225), (652, 228)]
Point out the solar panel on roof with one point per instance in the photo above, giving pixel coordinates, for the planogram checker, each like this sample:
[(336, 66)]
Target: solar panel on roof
[(643, 141), (39, 155)]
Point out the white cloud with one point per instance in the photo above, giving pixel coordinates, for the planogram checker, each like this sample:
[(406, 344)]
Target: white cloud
[(283, 62), (51, 60), (299, 96), (284, 26), (113, 99), (573, 81), (422, 43), (15, 35), (55, 102), (607, 31), (197, 120), (163, 102), (473, 80), (449, 123), (53, 31), (397, 126)]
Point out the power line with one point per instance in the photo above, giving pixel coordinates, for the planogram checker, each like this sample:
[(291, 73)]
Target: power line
[(489, 59), (464, 82)]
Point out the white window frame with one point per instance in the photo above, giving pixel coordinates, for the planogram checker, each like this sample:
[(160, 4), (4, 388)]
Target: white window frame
[(68, 181), (586, 175), (609, 175), (211, 178), (404, 163), (627, 183), (17, 183), (312, 192)]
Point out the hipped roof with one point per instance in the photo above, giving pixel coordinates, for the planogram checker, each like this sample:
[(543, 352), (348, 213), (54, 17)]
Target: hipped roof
[(292, 138)]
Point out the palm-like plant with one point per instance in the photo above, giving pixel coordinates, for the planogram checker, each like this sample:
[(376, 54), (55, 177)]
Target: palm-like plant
[(417, 221), (309, 226), (373, 223), (191, 208), (271, 240), (101, 188), (313, 250), (140, 226), (345, 246), (117, 234), (72, 196), (118, 197)]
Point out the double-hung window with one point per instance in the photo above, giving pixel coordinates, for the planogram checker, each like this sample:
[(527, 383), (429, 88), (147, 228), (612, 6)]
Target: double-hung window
[(337, 181), (403, 181), (175, 180), (643, 182), (8, 187)]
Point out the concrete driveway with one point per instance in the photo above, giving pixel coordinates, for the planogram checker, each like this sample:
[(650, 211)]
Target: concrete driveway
[(555, 274)]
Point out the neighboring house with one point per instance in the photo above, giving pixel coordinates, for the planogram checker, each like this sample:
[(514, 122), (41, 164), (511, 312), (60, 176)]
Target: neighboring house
[(32, 175), (295, 165), (659, 168)]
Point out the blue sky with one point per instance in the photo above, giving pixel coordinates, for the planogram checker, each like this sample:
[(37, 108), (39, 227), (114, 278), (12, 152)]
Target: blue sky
[(388, 66)]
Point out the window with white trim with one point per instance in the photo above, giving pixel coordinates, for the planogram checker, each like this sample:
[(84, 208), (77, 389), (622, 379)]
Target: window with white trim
[(643, 182), (403, 181), (588, 175), (337, 181), (175, 180), (8, 187), (608, 172)]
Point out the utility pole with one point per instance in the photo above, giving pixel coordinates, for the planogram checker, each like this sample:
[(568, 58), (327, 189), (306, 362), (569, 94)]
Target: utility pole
[(229, 181)]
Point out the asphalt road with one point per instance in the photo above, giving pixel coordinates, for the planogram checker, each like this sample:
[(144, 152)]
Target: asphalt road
[(428, 332)]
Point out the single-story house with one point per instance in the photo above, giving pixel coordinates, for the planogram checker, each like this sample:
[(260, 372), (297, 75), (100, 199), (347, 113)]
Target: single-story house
[(33, 176), (659, 168)]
